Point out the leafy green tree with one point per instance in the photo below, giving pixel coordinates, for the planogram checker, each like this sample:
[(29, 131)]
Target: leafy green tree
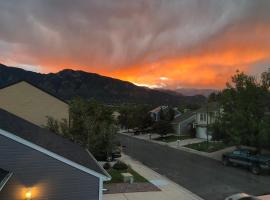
[(245, 103), (52, 125), (91, 125), (162, 128), (135, 117)]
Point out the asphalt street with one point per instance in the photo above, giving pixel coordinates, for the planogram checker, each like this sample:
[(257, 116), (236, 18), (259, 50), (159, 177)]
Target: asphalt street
[(203, 176)]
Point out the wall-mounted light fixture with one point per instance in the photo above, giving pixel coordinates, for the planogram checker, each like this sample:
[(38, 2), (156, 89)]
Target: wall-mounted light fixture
[(28, 195)]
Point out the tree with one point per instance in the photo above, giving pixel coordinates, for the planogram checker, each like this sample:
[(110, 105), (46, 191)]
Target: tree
[(162, 127), (245, 102), (52, 125), (135, 117), (91, 125)]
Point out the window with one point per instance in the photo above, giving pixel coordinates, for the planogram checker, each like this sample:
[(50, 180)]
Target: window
[(202, 117)]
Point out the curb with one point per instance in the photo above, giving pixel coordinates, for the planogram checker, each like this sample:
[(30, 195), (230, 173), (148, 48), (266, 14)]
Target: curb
[(208, 155), (166, 178)]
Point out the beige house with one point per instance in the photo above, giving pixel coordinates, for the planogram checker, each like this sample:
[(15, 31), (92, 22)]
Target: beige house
[(32, 103)]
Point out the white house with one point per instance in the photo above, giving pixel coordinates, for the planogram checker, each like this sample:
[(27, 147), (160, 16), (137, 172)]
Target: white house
[(205, 117)]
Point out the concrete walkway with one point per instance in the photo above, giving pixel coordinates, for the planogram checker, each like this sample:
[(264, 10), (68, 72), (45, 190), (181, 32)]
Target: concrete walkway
[(169, 189)]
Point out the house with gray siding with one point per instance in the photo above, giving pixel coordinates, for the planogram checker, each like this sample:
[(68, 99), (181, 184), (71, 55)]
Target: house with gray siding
[(183, 124), (36, 164)]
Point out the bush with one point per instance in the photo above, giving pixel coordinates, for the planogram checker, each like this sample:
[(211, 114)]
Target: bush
[(107, 166), (120, 166)]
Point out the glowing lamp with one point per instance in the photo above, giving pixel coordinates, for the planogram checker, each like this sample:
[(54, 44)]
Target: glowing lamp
[(28, 195)]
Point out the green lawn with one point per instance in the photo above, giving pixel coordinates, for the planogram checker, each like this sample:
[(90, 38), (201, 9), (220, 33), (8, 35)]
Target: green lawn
[(172, 138), (211, 147), (117, 178)]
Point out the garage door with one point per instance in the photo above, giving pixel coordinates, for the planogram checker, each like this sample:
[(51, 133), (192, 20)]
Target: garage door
[(201, 133)]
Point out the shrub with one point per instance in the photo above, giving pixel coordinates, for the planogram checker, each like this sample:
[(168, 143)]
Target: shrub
[(120, 166), (107, 166)]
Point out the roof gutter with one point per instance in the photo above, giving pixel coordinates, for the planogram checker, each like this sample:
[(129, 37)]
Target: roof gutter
[(52, 154), (5, 180), (108, 176)]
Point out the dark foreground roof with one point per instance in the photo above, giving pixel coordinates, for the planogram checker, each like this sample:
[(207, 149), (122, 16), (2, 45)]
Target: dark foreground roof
[(48, 140), (4, 176)]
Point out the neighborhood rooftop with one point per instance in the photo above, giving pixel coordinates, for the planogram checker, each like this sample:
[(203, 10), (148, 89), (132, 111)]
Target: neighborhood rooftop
[(213, 106), (183, 117), (157, 109), (48, 140)]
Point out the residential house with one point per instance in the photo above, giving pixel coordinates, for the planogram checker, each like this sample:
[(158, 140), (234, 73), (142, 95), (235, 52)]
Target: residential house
[(36, 164), (183, 124), (205, 117), (156, 112), (32, 103)]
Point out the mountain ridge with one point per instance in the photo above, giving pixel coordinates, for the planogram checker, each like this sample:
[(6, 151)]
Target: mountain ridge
[(69, 83)]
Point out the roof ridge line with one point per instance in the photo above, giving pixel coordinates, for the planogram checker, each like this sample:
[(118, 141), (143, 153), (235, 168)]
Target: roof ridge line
[(52, 154)]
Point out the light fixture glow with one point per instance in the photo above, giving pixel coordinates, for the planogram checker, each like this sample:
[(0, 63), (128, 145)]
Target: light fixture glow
[(28, 195)]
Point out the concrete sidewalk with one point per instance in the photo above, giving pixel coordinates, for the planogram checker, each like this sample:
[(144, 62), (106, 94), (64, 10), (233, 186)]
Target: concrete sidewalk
[(169, 189)]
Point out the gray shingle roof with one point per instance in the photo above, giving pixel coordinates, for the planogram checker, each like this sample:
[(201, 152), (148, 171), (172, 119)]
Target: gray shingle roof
[(48, 140), (3, 174), (183, 117), (213, 106)]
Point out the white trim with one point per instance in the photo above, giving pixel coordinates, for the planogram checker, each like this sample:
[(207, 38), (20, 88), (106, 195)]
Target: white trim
[(5, 180), (51, 154), (100, 195), (104, 171)]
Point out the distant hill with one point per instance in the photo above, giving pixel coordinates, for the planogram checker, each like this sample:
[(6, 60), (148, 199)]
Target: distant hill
[(195, 91), (68, 84)]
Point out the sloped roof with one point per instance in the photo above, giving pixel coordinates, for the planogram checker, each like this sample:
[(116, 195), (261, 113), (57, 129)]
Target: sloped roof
[(4, 177), (49, 141), (183, 117), (157, 109), (213, 106)]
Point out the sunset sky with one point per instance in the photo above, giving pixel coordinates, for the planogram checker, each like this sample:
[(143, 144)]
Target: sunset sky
[(156, 43)]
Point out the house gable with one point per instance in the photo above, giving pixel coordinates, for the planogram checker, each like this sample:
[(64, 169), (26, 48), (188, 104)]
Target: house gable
[(45, 175), (52, 155), (31, 103)]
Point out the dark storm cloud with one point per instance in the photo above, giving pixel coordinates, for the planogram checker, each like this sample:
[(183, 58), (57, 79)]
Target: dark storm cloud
[(114, 34)]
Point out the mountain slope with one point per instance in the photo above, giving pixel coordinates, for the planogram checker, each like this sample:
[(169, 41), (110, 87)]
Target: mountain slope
[(68, 84)]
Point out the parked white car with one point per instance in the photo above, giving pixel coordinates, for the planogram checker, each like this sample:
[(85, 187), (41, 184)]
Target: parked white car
[(241, 196)]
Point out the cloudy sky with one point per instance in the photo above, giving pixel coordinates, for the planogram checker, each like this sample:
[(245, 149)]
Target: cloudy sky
[(161, 43)]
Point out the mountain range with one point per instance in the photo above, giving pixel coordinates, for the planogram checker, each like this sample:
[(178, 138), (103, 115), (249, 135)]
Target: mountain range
[(68, 84)]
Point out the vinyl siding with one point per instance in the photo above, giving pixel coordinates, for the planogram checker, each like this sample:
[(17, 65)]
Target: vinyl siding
[(32, 104), (48, 178), (184, 126)]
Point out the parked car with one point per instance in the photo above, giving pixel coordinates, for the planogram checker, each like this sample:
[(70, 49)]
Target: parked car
[(248, 158), (241, 196)]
